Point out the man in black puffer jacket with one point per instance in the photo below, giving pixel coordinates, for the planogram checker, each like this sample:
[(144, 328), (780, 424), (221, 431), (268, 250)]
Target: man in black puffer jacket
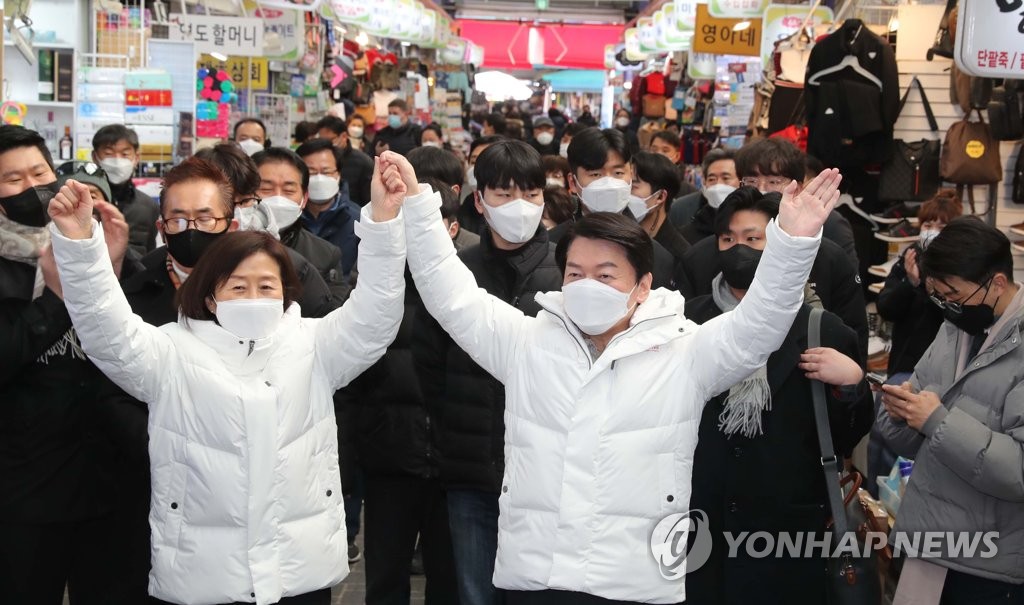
[(514, 261)]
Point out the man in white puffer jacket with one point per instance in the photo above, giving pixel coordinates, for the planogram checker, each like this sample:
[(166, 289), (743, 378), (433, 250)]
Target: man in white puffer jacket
[(604, 389)]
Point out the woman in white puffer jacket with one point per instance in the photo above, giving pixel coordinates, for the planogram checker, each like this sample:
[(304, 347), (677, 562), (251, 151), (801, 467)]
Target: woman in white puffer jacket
[(246, 501)]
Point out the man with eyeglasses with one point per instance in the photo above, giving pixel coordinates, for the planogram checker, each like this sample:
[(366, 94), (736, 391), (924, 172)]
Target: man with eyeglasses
[(284, 190), (960, 417), (330, 213)]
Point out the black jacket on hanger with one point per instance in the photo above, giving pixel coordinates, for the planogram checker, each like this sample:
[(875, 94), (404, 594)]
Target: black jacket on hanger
[(848, 107)]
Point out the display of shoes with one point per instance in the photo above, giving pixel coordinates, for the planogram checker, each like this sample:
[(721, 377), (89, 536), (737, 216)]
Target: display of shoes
[(897, 213), (876, 287), (884, 269), (1017, 229), (901, 232), (1018, 247)]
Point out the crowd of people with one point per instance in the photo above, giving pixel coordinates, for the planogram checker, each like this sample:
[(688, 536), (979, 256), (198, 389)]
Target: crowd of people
[(505, 368)]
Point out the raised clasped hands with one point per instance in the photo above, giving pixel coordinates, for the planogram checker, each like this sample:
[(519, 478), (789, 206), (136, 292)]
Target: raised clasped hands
[(393, 180), (803, 212)]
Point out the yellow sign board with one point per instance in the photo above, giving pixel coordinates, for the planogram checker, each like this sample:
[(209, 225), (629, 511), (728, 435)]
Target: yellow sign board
[(246, 72), (726, 36)]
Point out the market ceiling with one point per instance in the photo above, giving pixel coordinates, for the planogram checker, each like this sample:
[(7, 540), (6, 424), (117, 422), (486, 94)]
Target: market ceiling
[(599, 11)]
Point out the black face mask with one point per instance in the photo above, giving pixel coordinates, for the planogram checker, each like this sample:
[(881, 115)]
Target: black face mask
[(739, 264), (29, 206), (189, 245)]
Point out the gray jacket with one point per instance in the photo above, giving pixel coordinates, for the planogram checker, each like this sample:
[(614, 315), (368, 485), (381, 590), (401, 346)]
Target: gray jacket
[(969, 456)]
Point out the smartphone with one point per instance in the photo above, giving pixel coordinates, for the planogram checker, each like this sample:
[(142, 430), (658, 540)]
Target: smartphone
[(876, 378)]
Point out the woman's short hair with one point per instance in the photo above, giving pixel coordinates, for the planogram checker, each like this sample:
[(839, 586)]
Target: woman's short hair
[(220, 261), (944, 207)]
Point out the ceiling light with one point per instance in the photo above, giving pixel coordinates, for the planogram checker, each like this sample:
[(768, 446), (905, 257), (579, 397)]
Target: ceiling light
[(742, 25)]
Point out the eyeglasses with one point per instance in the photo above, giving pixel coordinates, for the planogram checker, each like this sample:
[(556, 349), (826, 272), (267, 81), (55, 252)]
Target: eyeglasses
[(956, 308), (771, 182), (206, 224), (248, 202), (332, 172)]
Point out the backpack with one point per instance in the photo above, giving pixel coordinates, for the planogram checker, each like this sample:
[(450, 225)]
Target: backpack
[(1017, 195)]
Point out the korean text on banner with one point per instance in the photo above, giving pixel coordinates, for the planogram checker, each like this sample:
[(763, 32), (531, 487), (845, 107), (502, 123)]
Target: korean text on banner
[(726, 36), (241, 36), (990, 39)]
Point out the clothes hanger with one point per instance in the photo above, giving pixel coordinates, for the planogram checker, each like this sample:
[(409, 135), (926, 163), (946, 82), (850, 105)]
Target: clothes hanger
[(849, 61), (803, 34), (847, 200)]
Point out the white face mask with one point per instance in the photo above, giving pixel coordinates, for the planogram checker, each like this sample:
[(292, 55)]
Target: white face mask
[(285, 211), (553, 182), (516, 222), (323, 188), (927, 235), (716, 194), (118, 170), (470, 178), (437, 144), (250, 318), (356, 132), (545, 138), (638, 206), (257, 217), (250, 147), (563, 150), (622, 122), (606, 194), (595, 307)]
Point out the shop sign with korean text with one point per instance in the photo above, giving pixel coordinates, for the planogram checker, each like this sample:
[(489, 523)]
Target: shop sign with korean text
[(734, 9), (990, 38), (252, 73), (726, 36), (241, 36)]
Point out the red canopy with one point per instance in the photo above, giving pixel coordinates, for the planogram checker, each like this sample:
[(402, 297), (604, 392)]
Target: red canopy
[(506, 43)]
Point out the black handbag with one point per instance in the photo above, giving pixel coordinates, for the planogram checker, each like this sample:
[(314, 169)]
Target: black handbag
[(943, 46), (852, 579), (1004, 114), (912, 173)]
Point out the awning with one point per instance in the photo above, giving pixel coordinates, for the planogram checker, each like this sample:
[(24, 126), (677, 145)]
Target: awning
[(507, 43), (576, 80)]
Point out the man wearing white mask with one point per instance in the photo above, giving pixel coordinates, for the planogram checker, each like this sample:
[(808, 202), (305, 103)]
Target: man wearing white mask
[(330, 213), (284, 190), (601, 177), (544, 136), (469, 216), (116, 150), (604, 390), (655, 186), (251, 135), (694, 214), (513, 262)]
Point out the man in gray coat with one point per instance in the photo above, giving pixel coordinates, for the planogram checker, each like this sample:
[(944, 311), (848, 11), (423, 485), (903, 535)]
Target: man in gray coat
[(961, 418)]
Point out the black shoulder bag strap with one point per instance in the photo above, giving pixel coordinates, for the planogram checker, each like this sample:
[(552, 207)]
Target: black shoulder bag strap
[(829, 461), (924, 100)]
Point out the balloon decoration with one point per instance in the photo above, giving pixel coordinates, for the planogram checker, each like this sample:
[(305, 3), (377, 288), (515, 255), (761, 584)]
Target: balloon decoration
[(216, 92)]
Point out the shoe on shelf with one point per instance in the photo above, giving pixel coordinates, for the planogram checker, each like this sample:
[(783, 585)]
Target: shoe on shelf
[(876, 287), (897, 213), (1017, 229), (884, 269), (1018, 247), (354, 553), (901, 232)]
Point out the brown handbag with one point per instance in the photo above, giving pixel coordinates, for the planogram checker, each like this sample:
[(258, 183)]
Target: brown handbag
[(654, 106), (970, 155)]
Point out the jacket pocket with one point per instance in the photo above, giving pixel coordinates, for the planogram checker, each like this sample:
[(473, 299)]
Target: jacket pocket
[(173, 504), (668, 488)]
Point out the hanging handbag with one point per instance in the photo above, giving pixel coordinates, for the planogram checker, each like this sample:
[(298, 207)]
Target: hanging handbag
[(1004, 115), (654, 106), (943, 46), (852, 580), (970, 155), (912, 173)]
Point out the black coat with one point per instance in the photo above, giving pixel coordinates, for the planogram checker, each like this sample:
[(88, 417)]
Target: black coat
[(57, 460), (401, 140), (322, 254), (670, 239), (467, 403), (357, 171), (833, 278), (916, 320), (772, 482), (140, 212)]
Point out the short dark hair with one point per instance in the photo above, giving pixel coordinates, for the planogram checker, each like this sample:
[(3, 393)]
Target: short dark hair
[(970, 249), (497, 122), (555, 163), (112, 134), (660, 172), (574, 129), (669, 138), (559, 206), (590, 148), (399, 103), (716, 155), (332, 123), (305, 130), (945, 206), (283, 156), (235, 164), (431, 162), (198, 169), (434, 127), (15, 137), (250, 120), (449, 199), (488, 140), (614, 228), (312, 146), (746, 198), (222, 258), (509, 162), (356, 116), (771, 157)]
